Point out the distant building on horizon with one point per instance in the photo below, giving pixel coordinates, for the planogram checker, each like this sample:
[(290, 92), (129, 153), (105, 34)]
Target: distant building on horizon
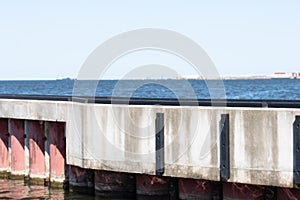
[(291, 75)]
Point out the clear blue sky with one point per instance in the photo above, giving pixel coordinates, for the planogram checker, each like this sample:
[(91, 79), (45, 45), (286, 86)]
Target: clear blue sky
[(52, 39)]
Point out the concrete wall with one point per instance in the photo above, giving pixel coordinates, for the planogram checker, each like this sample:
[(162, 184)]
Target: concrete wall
[(122, 138)]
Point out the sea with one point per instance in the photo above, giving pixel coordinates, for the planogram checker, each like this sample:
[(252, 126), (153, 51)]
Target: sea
[(259, 89), (274, 89)]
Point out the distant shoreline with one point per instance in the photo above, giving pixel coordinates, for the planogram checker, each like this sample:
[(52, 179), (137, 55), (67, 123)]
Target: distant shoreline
[(187, 77)]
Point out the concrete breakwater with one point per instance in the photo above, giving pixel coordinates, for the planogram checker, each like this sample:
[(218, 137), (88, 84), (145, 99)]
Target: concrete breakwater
[(175, 151)]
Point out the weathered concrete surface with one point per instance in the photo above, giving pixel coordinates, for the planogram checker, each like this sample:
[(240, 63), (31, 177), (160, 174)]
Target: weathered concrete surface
[(122, 138), (33, 110), (262, 146)]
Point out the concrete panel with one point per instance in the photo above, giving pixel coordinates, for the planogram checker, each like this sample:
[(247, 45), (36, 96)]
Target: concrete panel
[(115, 141), (17, 147), (34, 109), (122, 138), (261, 147), (192, 142), (4, 149), (74, 130), (37, 138)]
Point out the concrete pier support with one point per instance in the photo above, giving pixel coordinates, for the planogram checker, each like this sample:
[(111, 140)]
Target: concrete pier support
[(199, 189), (17, 148), (4, 149), (81, 180), (37, 168), (114, 184), (155, 187), (57, 153)]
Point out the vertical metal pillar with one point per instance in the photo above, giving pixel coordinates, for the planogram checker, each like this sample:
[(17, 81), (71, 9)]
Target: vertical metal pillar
[(17, 147), (159, 144), (4, 150), (36, 151), (47, 153), (224, 148), (26, 150), (57, 152), (296, 149)]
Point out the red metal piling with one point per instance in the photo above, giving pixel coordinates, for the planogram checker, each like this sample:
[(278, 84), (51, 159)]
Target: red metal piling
[(57, 153), (4, 152), (37, 168), (17, 148)]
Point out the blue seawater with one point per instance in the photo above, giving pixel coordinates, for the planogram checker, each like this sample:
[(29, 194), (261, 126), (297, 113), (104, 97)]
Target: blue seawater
[(281, 89)]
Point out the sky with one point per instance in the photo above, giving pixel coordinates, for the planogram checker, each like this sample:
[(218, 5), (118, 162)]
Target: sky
[(52, 39)]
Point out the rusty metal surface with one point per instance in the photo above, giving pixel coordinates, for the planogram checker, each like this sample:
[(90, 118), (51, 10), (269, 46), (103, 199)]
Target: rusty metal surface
[(4, 154), (116, 183), (57, 151), (288, 193), (152, 185), (79, 177), (17, 146), (36, 149), (197, 189), (242, 191)]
